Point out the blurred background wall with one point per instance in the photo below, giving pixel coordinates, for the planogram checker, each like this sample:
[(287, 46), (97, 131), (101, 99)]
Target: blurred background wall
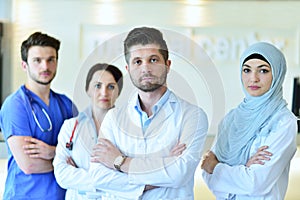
[(205, 39), (222, 28)]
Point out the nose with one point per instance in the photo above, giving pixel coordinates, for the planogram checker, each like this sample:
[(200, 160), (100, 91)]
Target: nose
[(146, 68), (254, 77), (44, 64), (104, 91)]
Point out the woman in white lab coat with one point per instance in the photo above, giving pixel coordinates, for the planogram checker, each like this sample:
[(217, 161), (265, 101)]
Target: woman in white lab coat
[(256, 141), (78, 135)]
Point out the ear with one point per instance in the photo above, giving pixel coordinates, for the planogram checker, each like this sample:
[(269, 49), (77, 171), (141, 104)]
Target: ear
[(168, 64), (24, 65)]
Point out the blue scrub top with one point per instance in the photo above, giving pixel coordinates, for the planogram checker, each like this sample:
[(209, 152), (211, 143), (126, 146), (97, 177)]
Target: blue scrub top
[(16, 119)]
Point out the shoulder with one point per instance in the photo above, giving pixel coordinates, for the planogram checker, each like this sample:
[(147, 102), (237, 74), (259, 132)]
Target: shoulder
[(67, 102), (284, 116), (70, 121), (14, 114), (282, 121), (229, 115), (15, 97), (62, 97), (119, 114), (82, 119), (185, 105), (67, 126), (15, 101), (116, 111), (189, 113)]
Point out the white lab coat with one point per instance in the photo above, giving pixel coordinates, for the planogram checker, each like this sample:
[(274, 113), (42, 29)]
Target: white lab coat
[(176, 120), (78, 181), (259, 182)]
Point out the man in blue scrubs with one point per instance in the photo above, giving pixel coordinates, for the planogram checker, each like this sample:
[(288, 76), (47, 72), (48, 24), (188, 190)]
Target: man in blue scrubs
[(30, 120)]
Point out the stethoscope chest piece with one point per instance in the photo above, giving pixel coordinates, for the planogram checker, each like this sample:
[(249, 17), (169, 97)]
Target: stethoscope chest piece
[(69, 145)]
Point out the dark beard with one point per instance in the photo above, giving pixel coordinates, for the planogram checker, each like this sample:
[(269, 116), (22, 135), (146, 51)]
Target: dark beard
[(149, 87), (41, 82), (44, 83)]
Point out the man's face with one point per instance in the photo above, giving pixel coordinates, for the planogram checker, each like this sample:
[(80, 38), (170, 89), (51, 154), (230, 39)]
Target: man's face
[(41, 64), (147, 68)]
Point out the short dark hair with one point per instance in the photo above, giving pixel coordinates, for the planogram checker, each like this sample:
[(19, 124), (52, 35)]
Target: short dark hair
[(144, 36), (38, 39), (115, 72)]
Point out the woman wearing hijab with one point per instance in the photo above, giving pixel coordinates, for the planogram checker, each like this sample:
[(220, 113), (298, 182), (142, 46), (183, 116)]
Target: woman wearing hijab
[(251, 156)]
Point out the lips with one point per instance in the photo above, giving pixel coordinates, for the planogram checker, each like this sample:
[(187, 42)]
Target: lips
[(253, 87), (104, 100), (147, 78), (45, 73)]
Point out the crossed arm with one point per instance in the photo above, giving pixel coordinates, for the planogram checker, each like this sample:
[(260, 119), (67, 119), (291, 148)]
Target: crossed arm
[(105, 152), (155, 167), (210, 160), (32, 155)]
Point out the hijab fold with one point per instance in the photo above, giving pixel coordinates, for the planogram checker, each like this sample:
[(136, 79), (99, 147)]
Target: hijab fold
[(240, 127)]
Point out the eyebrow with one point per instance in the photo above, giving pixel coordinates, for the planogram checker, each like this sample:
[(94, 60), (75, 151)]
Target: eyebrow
[(136, 58), (150, 56), (154, 55), (260, 66), (113, 83), (41, 57)]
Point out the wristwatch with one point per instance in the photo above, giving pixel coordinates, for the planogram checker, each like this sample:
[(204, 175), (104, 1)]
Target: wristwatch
[(119, 161)]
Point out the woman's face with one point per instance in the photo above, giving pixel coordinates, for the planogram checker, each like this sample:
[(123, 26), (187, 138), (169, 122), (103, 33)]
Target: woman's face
[(103, 89), (256, 77)]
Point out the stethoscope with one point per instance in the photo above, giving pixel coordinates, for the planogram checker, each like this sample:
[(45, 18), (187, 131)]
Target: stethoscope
[(69, 145), (31, 101), (37, 121)]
